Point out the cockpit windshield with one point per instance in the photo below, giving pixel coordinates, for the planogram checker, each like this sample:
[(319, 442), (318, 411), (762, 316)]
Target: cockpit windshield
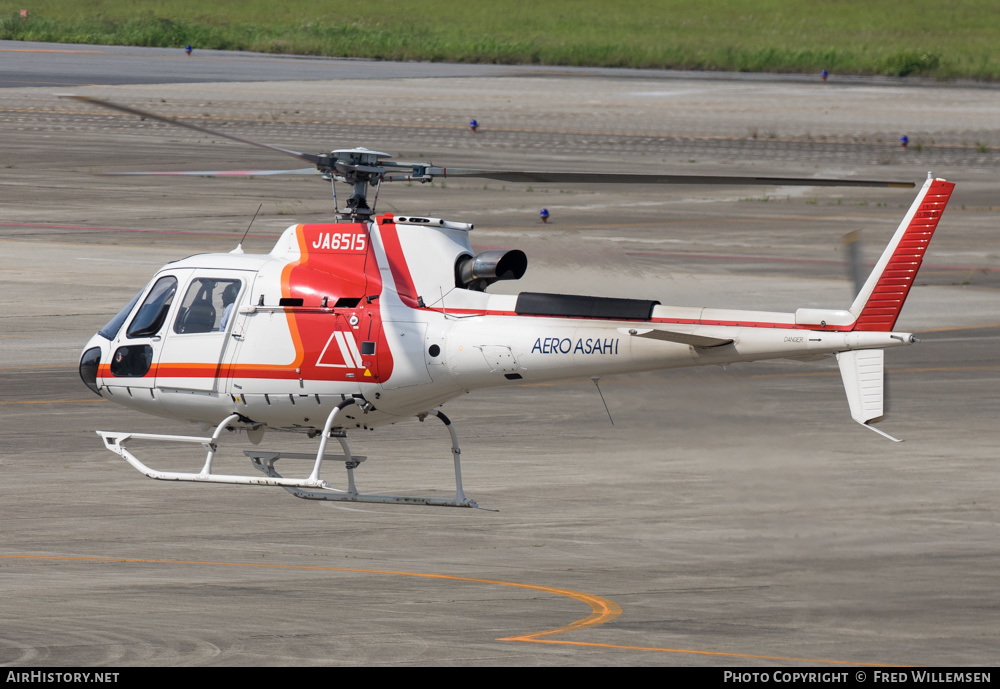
[(149, 319), (109, 331)]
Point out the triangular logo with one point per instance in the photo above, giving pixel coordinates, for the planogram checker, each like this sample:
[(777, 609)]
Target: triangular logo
[(341, 351)]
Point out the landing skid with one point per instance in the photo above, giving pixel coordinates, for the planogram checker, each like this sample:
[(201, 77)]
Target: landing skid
[(310, 488)]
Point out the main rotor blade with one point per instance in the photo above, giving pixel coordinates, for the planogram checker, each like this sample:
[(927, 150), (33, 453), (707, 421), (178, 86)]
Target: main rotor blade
[(218, 173), (204, 130), (631, 178)]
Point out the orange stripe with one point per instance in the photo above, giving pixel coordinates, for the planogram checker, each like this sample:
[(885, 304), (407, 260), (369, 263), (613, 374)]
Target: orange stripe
[(286, 292)]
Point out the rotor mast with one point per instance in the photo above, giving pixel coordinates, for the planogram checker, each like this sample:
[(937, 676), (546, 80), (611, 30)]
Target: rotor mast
[(359, 167)]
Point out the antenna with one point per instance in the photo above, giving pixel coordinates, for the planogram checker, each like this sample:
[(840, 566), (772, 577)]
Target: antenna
[(595, 379), (239, 247)]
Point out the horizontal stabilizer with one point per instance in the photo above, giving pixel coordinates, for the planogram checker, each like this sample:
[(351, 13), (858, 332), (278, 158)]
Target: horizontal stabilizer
[(682, 338)]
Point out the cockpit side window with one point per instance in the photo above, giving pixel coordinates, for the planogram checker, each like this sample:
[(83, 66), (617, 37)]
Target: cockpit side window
[(153, 312), (207, 306)]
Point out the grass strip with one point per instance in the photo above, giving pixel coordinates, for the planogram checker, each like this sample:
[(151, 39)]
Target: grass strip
[(891, 37)]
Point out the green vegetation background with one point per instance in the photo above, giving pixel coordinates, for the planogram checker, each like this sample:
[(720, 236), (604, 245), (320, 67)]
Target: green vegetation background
[(958, 38)]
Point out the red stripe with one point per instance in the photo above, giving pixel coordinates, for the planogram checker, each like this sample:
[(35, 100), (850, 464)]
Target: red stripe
[(397, 263), (678, 321)]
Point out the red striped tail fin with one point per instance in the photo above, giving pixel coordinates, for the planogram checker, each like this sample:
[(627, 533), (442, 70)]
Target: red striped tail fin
[(878, 304)]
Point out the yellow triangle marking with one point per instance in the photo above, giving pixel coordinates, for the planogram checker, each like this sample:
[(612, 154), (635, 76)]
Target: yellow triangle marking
[(368, 374)]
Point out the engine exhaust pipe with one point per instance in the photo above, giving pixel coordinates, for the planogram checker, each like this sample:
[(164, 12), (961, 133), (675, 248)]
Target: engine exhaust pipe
[(489, 267)]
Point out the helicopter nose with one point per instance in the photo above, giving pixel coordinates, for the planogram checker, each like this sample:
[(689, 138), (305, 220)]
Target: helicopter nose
[(89, 362)]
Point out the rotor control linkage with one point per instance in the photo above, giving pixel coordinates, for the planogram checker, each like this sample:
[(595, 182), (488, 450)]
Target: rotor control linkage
[(264, 462)]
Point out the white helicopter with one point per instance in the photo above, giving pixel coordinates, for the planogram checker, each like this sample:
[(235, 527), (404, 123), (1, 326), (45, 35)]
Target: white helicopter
[(375, 319)]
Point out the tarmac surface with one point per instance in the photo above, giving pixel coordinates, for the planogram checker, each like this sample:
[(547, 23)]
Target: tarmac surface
[(731, 517)]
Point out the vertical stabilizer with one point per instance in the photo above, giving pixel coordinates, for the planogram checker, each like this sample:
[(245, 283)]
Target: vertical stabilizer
[(881, 299), (864, 382)]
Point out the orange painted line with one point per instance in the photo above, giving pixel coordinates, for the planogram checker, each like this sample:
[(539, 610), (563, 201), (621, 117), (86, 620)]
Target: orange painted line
[(603, 609)]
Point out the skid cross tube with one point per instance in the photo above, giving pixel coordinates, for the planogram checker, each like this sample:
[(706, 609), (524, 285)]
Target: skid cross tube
[(311, 488), (264, 462), (116, 443)]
